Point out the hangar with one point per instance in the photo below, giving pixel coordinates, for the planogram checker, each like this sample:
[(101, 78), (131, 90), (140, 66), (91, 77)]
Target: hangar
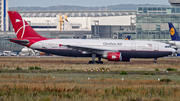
[(102, 24)]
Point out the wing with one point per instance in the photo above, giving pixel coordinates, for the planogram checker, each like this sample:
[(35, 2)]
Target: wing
[(90, 49)]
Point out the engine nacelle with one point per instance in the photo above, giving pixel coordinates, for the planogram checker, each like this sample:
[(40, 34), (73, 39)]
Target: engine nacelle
[(113, 56)]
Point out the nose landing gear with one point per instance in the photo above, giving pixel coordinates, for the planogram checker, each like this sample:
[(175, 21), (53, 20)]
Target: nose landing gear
[(155, 60)]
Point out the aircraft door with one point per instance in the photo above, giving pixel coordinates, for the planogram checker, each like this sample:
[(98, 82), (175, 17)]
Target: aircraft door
[(44, 44), (156, 47), (79, 43), (133, 46)]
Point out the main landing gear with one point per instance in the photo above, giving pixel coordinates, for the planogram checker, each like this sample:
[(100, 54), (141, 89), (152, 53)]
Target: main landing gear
[(93, 60), (155, 60)]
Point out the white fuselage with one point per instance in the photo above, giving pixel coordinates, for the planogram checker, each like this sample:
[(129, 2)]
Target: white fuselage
[(175, 43), (124, 46)]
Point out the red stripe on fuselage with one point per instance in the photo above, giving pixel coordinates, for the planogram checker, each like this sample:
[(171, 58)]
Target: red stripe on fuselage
[(118, 50), (142, 51)]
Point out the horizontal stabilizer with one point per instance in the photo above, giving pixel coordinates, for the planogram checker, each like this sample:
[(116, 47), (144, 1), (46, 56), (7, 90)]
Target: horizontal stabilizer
[(20, 41)]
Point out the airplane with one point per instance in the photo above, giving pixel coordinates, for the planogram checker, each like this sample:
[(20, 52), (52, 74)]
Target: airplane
[(175, 38), (112, 50), (174, 35), (32, 52)]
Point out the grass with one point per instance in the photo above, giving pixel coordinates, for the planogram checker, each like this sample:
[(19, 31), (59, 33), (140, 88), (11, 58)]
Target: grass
[(156, 69), (53, 63), (171, 69), (70, 81), (123, 73), (74, 86)]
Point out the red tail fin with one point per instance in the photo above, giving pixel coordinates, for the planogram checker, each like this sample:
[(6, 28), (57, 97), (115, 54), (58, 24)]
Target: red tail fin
[(21, 27)]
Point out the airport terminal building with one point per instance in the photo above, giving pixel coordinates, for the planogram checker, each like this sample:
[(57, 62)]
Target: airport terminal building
[(75, 24), (152, 22), (142, 24)]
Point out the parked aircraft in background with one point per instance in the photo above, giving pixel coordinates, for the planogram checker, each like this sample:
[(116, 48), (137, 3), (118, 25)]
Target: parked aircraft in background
[(128, 37), (175, 37), (32, 52), (112, 50)]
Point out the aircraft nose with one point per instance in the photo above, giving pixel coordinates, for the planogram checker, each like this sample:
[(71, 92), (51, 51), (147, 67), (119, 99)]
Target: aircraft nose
[(173, 51)]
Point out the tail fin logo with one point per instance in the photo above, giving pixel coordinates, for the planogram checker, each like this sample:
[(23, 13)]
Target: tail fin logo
[(172, 31), (17, 20), (21, 27)]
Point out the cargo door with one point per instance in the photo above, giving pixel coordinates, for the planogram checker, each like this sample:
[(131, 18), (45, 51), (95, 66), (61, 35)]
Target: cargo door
[(156, 47), (44, 44)]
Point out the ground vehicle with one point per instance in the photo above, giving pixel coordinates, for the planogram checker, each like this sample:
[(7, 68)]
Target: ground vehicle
[(9, 53), (1, 54), (13, 54), (23, 54), (6, 53)]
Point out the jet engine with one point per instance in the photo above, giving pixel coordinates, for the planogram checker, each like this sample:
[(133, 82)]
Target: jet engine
[(112, 56), (115, 56)]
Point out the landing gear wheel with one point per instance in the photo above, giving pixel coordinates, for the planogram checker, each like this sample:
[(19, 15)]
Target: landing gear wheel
[(155, 60), (100, 62), (91, 62)]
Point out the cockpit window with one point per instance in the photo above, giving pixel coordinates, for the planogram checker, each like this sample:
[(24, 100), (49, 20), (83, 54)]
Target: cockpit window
[(167, 46)]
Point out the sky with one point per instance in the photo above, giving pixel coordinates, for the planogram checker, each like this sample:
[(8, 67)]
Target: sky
[(46, 3)]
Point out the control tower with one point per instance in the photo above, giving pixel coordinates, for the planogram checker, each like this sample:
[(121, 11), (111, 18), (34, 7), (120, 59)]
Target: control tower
[(175, 3)]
